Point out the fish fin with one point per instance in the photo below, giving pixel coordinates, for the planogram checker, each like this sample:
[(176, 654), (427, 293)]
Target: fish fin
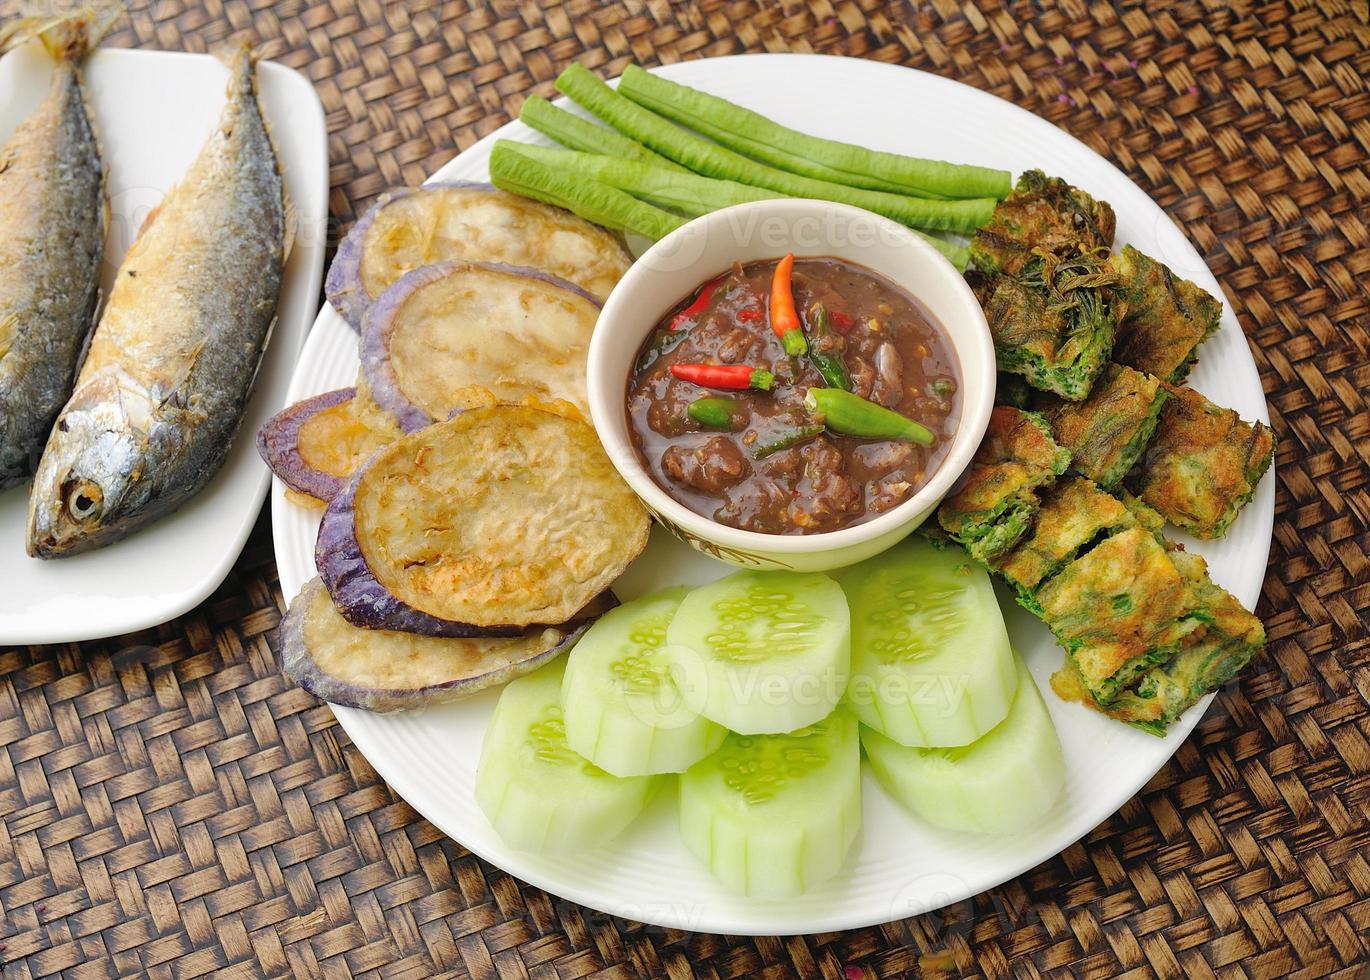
[(7, 331), (261, 357), (228, 52), (292, 218), (67, 35), (175, 394), (232, 53), (90, 333)]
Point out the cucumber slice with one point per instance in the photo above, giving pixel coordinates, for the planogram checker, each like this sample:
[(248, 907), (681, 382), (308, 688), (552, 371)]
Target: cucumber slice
[(762, 652), (622, 708), (537, 793), (1004, 783), (772, 815), (931, 662)]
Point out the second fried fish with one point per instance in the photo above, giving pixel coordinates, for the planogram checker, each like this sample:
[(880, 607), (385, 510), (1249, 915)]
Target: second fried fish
[(175, 353)]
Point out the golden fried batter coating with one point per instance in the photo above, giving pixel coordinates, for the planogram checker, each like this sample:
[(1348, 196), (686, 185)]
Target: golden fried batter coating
[(1118, 610), (1108, 431), (991, 509), (1203, 463), (1042, 213), (1073, 513), (1166, 317)]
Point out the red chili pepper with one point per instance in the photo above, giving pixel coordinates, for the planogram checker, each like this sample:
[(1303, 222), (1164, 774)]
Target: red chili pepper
[(784, 317), (729, 377), (701, 301), (841, 322), (750, 315)]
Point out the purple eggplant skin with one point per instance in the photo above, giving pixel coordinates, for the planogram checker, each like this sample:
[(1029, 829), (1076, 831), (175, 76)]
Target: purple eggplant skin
[(359, 597), (364, 602), (278, 445), (378, 326), (298, 662), (343, 284)]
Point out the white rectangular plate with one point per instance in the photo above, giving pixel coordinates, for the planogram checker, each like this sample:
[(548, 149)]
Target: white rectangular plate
[(153, 111)]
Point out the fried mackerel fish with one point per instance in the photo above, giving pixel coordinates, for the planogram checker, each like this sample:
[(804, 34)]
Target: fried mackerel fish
[(1226, 639), (1165, 318), (1053, 322), (52, 207), (1041, 214), (995, 503), (1108, 431), (1203, 464)]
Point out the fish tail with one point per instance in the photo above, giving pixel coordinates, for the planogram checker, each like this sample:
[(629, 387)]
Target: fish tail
[(67, 32), (241, 60)]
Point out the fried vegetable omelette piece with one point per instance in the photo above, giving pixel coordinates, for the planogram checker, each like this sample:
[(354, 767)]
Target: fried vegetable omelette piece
[(994, 505), (1042, 213), (1108, 431), (1210, 657), (1203, 464), (1053, 322), (1073, 513), (1119, 610), (1166, 317), (1012, 389), (1145, 516)]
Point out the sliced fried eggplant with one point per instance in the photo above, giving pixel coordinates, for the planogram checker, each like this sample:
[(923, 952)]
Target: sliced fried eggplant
[(385, 670), (442, 222), (445, 331), (315, 444), (484, 524)]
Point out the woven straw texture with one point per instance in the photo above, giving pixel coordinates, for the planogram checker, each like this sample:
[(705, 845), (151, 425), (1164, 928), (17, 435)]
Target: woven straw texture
[(171, 806)]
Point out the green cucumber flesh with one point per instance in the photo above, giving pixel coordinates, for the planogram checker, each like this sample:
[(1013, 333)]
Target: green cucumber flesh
[(773, 815), (762, 651), (1005, 782), (931, 661), (537, 792), (622, 709)]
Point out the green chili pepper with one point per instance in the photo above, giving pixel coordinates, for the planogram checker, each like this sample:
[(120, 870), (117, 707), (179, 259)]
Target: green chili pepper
[(830, 366), (660, 344), (715, 412), (852, 415), (786, 440)]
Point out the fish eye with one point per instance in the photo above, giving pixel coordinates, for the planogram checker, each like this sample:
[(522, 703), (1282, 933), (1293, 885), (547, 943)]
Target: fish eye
[(84, 500)]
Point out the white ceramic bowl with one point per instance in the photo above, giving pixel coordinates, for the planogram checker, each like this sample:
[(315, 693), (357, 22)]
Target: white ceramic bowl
[(678, 263)]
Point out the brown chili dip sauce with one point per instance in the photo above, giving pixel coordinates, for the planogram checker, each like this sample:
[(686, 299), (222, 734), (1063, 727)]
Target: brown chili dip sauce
[(761, 460)]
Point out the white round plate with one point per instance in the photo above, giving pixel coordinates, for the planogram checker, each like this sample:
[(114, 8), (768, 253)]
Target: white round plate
[(898, 866)]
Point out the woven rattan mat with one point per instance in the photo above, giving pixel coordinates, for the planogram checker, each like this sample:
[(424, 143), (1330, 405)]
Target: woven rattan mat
[(170, 806)]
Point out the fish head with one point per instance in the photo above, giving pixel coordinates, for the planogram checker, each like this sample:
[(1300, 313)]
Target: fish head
[(99, 469)]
